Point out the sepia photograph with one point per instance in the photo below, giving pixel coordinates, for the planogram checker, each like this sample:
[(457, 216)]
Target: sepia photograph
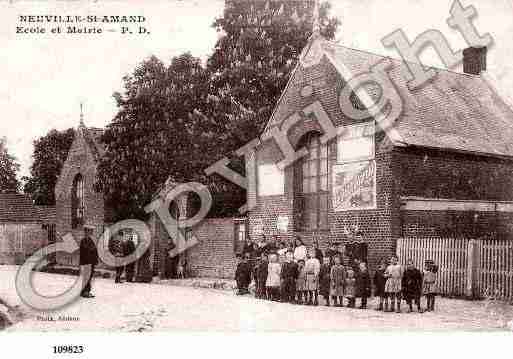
[(256, 166)]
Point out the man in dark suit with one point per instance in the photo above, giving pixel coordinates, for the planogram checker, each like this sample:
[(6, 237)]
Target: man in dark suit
[(88, 259), (128, 249), (116, 248)]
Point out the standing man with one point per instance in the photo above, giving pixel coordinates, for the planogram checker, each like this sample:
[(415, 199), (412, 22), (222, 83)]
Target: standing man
[(128, 249), (117, 250), (88, 259)]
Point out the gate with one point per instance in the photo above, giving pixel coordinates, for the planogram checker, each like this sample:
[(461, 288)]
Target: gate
[(473, 268)]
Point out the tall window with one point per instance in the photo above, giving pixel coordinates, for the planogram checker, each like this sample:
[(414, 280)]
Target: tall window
[(77, 202), (240, 235), (314, 185)]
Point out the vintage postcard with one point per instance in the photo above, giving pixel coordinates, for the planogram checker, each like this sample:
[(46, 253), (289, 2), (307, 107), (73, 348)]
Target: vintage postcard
[(256, 166)]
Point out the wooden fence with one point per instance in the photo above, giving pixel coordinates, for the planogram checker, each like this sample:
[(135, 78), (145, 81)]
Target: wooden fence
[(470, 268), (495, 273)]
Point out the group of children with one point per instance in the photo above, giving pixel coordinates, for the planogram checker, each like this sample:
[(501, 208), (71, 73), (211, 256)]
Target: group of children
[(301, 281)]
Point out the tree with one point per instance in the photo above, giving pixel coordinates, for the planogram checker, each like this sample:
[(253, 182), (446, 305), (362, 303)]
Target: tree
[(50, 153), (253, 60), (175, 121), (150, 139), (8, 169), (250, 68)]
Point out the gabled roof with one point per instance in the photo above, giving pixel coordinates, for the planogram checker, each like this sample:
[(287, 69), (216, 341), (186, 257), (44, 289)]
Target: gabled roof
[(92, 138), (18, 208), (454, 111), (93, 135)]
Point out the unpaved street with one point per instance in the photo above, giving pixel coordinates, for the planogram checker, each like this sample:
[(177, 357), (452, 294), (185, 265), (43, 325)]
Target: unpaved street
[(156, 307)]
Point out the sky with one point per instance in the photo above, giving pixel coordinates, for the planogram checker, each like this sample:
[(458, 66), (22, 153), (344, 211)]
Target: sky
[(46, 77)]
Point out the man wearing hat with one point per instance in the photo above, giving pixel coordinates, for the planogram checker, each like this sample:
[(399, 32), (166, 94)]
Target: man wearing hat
[(88, 258), (128, 249), (116, 248)]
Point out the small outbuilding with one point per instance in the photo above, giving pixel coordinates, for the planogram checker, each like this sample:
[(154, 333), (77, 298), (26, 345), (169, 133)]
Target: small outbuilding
[(24, 227)]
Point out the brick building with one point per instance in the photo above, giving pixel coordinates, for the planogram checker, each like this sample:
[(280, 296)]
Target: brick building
[(24, 227), (77, 202), (444, 168)]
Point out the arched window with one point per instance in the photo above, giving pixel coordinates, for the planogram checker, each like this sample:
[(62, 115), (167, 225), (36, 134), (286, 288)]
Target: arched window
[(77, 202), (313, 186)]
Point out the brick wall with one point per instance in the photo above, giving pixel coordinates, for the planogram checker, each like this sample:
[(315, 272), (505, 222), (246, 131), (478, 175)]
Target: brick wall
[(437, 174), (451, 224), (214, 256)]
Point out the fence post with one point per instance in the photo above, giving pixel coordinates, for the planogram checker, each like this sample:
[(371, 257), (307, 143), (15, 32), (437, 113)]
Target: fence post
[(471, 269)]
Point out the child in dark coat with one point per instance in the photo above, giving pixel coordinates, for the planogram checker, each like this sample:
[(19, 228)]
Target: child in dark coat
[(379, 284), (289, 274), (412, 286), (261, 277), (243, 275), (363, 285), (325, 280)]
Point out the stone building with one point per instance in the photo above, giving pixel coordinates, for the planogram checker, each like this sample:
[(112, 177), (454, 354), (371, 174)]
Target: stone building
[(444, 167), (77, 202)]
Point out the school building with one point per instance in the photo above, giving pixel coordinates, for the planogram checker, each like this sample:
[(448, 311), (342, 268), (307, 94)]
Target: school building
[(443, 168)]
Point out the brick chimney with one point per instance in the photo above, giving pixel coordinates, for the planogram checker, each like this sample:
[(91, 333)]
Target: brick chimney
[(474, 60)]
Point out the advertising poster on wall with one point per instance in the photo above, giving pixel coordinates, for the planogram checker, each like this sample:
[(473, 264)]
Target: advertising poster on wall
[(357, 143), (354, 186)]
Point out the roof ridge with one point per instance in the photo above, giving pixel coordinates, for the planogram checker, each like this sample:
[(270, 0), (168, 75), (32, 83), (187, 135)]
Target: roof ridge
[(330, 42)]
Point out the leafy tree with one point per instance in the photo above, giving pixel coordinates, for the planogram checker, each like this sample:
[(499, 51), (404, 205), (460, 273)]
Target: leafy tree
[(253, 60), (250, 67), (176, 121), (8, 169), (150, 140), (50, 153)]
